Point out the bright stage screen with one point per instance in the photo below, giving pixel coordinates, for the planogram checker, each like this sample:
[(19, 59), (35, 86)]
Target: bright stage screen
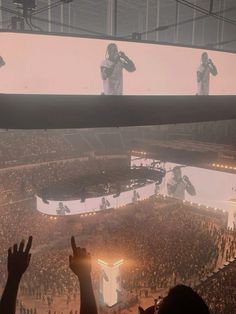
[(110, 281), (215, 189), (49, 64), (211, 188)]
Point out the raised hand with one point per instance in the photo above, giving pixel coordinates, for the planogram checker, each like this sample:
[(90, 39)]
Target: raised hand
[(17, 263), (122, 54), (185, 178), (210, 61), (80, 262), (19, 258)]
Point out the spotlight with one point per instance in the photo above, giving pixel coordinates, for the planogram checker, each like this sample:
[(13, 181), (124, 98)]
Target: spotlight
[(29, 4), (26, 5)]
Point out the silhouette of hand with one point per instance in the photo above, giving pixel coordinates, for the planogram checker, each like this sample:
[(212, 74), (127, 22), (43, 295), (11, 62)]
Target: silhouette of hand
[(80, 262), (19, 259), (122, 54)]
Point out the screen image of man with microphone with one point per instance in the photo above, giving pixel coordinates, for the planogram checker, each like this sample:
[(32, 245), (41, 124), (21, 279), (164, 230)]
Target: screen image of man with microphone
[(178, 184), (112, 70), (206, 68)]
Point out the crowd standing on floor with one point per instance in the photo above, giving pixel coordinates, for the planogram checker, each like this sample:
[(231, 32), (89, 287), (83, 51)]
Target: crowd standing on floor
[(163, 241)]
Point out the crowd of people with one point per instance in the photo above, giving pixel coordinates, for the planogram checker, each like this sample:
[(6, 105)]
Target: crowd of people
[(18, 183), (219, 290), (164, 248), (37, 146), (33, 146), (163, 241)]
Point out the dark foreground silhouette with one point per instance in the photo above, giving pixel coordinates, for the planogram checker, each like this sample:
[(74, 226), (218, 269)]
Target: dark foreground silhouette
[(180, 299)]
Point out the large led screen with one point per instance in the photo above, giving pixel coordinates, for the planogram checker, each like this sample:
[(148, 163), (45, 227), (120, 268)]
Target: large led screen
[(201, 186), (211, 188), (49, 64)]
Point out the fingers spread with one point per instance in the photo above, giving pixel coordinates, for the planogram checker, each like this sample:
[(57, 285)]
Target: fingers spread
[(15, 248), (9, 252), (29, 244), (21, 247)]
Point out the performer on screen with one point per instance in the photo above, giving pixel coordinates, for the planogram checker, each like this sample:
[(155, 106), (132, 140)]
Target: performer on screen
[(104, 203), (135, 197), (112, 70), (206, 68), (62, 209), (178, 184)]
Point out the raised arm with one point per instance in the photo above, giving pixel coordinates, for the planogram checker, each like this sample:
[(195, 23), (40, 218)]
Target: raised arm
[(189, 186), (127, 63), (18, 262), (212, 67), (80, 264)]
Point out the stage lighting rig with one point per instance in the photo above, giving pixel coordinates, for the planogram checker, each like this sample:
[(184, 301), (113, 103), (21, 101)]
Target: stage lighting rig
[(29, 10), (17, 23), (29, 3), (26, 6)]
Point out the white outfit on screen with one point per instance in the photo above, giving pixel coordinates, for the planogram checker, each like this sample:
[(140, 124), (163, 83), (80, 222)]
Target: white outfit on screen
[(203, 85), (113, 85)]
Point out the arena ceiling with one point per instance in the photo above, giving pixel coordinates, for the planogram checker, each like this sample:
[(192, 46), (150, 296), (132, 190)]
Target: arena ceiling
[(185, 21)]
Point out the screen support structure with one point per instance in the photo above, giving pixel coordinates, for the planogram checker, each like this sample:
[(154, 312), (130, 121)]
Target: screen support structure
[(49, 16), (112, 17)]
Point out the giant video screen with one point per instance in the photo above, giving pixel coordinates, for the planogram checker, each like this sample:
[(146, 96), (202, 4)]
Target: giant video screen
[(211, 188), (50, 64)]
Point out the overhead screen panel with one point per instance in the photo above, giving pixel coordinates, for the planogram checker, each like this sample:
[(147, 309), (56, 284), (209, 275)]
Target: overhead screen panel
[(49, 64)]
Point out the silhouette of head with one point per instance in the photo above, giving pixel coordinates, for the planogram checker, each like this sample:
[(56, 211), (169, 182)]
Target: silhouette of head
[(60, 204), (177, 173), (112, 51), (204, 58), (183, 300)]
